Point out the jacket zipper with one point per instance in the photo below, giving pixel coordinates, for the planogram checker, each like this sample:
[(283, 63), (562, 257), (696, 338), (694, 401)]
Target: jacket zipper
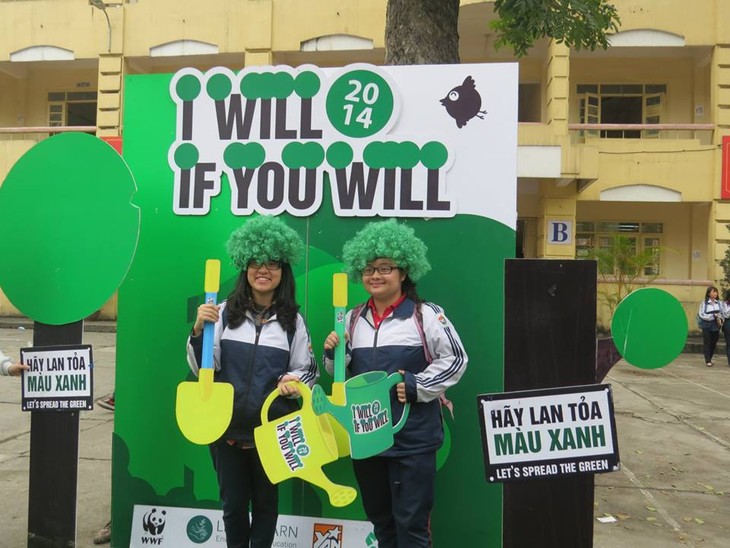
[(252, 362)]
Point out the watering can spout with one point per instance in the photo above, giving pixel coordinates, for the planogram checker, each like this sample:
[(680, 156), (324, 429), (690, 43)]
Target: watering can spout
[(321, 404)]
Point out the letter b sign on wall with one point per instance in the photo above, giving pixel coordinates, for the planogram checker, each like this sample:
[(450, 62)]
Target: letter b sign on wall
[(560, 232)]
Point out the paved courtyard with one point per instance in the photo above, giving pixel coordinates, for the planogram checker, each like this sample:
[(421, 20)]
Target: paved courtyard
[(674, 440)]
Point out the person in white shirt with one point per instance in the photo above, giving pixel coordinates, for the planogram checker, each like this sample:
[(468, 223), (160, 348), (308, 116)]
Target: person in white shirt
[(7, 367), (712, 314)]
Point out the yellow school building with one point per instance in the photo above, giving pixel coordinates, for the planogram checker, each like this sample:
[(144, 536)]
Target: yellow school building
[(626, 141)]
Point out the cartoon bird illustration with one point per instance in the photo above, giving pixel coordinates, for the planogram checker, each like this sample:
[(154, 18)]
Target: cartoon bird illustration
[(464, 103)]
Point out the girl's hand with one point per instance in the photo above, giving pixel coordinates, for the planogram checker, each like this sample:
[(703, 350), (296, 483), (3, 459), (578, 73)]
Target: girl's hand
[(400, 389), (331, 341), (206, 313), (16, 368), (287, 387)]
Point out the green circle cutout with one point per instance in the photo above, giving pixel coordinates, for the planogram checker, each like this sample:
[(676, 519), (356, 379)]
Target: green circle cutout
[(434, 155), (219, 87), (360, 103), (649, 328), (244, 155), (186, 156), (69, 199), (306, 84), (188, 87), (339, 155)]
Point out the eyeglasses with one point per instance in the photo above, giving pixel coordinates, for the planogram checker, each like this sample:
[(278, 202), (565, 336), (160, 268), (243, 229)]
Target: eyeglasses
[(382, 269), (270, 265)]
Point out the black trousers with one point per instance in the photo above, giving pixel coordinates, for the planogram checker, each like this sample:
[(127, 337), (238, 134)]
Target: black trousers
[(709, 342), (397, 494), (242, 480)]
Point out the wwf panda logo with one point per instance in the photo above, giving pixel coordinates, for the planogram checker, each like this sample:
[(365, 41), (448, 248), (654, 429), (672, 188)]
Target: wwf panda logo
[(154, 522)]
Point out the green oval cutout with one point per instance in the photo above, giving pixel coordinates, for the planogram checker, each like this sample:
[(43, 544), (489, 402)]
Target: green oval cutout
[(649, 328), (74, 231)]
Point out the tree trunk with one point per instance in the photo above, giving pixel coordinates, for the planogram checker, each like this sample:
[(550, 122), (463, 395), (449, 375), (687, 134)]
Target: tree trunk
[(422, 32)]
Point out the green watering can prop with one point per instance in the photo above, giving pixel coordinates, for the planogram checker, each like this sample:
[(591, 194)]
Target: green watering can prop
[(298, 445), (366, 414)]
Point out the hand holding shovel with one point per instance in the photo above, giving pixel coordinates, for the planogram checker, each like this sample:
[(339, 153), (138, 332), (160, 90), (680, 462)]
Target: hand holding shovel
[(204, 408)]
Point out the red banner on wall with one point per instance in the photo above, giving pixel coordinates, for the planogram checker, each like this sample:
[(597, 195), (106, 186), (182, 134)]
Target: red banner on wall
[(725, 182)]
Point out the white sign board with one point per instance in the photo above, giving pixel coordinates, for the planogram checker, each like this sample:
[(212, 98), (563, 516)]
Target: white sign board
[(60, 378), (192, 527), (543, 433)]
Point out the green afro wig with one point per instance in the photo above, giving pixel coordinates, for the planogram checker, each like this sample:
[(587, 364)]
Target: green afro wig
[(263, 239), (386, 239)]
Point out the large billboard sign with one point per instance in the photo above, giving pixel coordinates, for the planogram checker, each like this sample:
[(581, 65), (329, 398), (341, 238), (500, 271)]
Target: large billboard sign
[(328, 150)]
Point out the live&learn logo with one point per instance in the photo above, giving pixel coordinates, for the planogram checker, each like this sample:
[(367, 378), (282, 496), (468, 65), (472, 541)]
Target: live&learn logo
[(199, 529)]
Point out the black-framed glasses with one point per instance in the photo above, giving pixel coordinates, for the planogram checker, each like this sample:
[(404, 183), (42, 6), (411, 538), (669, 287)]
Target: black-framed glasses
[(270, 265), (382, 269)]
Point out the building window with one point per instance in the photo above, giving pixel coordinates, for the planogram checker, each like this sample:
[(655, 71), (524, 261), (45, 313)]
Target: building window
[(644, 238), (72, 108), (621, 104)]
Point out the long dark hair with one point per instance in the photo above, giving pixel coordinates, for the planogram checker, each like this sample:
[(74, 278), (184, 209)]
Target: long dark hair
[(284, 303), (707, 293), (408, 287)]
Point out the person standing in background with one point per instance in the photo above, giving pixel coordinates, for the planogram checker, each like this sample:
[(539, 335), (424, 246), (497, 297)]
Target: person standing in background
[(712, 315)]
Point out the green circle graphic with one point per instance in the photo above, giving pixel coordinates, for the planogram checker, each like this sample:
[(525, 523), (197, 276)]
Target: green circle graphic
[(360, 103), (186, 156), (649, 328), (75, 228), (248, 155), (306, 84), (339, 155), (308, 155), (188, 87), (199, 529), (219, 87), (434, 155)]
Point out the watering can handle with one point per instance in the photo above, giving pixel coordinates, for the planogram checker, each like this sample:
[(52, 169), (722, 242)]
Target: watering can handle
[(393, 379), (304, 392)]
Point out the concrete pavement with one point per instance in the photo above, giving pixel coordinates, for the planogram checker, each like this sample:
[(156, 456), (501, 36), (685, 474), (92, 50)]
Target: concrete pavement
[(674, 440), (94, 472)]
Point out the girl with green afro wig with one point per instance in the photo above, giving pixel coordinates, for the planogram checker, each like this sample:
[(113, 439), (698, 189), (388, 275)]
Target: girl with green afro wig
[(397, 242), (264, 239)]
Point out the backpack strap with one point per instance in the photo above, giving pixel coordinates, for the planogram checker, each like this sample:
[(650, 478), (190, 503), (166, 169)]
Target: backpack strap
[(418, 320)]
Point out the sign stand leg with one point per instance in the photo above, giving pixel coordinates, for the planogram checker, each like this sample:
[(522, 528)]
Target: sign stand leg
[(54, 452), (549, 341)]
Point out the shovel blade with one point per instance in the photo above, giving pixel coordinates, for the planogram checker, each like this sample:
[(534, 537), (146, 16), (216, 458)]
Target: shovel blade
[(203, 412)]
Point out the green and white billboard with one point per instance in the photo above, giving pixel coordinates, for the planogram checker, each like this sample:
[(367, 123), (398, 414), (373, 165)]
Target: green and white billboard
[(329, 150)]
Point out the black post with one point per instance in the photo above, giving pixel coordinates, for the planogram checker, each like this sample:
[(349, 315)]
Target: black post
[(550, 341), (54, 454)]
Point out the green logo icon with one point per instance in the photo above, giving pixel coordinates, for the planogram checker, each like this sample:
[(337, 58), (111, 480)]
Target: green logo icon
[(360, 103), (199, 529)]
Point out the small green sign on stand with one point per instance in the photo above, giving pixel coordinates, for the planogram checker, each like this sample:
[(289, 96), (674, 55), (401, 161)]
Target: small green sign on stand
[(649, 328)]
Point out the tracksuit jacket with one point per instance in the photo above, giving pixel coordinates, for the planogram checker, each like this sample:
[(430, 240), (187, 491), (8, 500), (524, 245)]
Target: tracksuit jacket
[(253, 359), (5, 363), (397, 344)]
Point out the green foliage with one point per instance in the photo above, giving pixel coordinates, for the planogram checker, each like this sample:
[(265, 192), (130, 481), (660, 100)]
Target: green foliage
[(577, 23), (622, 269)]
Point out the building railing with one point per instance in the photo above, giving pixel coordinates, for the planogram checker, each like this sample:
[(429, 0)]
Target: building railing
[(701, 132), (11, 132)]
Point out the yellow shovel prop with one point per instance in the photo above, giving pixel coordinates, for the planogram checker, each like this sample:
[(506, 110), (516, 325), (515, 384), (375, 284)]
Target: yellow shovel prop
[(204, 408), (339, 301)]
